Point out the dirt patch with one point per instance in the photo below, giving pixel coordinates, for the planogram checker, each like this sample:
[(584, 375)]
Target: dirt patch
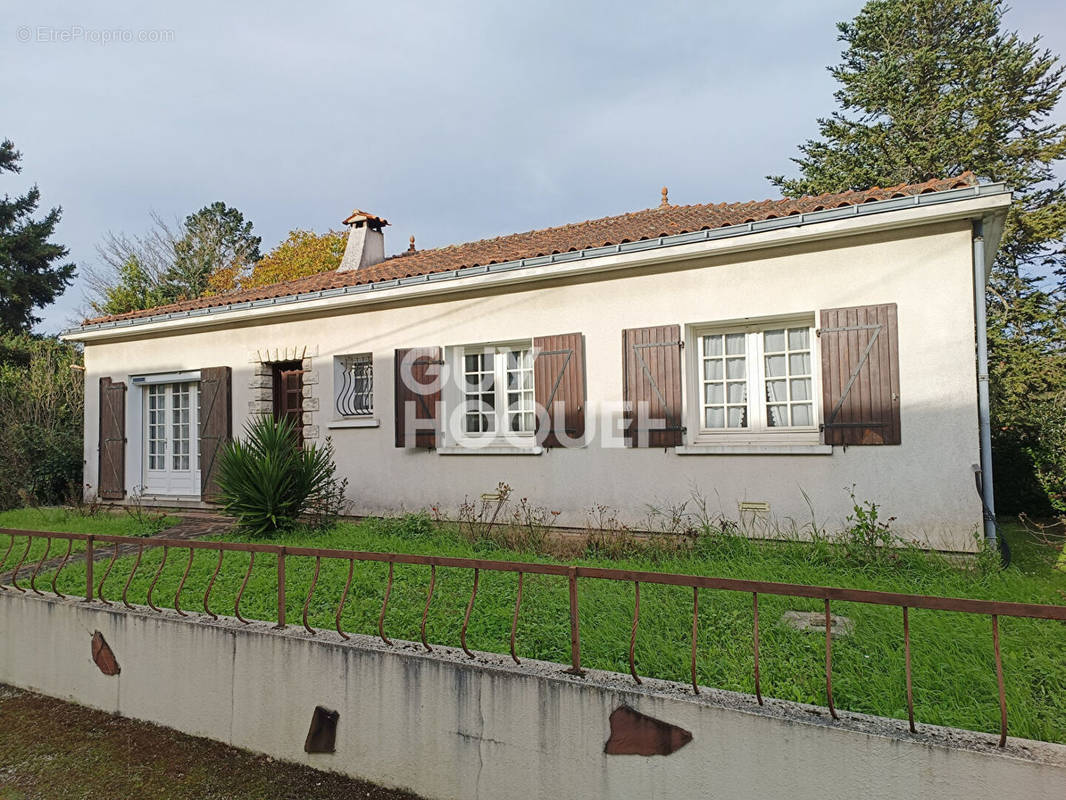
[(51, 750)]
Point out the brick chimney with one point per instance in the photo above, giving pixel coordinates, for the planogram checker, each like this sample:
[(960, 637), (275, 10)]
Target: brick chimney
[(366, 241)]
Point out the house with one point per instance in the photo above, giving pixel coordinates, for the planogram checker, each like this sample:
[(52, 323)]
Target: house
[(768, 355)]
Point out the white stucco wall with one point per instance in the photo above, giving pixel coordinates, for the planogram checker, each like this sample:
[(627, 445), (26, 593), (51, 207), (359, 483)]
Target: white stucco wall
[(926, 483), (447, 727)]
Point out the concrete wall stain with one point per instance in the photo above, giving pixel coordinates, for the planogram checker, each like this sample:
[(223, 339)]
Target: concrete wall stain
[(636, 734), (103, 655), (322, 735)]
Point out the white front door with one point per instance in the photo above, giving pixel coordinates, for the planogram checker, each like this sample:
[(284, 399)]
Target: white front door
[(171, 439)]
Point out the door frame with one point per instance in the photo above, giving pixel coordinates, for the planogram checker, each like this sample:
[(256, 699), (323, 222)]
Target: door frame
[(135, 445)]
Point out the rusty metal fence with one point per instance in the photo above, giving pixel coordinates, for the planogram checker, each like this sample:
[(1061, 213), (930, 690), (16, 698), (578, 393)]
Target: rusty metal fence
[(135, 547)]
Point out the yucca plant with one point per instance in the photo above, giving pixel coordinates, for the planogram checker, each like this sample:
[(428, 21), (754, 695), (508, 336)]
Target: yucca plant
[(268, 483)]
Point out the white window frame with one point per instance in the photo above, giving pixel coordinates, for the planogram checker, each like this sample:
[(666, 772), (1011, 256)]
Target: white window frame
[(758, 431), (455, 398), (137, 448), (169, 481)]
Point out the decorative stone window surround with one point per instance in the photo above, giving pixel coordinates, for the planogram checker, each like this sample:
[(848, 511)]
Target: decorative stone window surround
[(262, 383)]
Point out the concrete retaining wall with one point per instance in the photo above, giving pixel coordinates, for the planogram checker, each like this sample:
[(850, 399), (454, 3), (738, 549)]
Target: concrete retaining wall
[(444, 726)]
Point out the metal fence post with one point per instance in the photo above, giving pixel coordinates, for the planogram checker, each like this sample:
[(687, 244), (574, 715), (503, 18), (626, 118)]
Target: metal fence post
[(575, 636), (89, 570), (281, 590)]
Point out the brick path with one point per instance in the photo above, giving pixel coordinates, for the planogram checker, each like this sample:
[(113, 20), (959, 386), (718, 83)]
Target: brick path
[(190, 526)]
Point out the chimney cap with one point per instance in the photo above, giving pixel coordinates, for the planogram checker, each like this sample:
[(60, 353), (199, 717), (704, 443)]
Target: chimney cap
[(365, 216)]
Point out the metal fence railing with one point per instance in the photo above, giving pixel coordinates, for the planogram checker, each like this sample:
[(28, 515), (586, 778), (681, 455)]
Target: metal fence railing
[(134, 546)]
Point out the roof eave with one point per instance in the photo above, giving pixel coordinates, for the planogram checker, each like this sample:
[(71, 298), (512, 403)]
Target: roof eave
[(982, 201)]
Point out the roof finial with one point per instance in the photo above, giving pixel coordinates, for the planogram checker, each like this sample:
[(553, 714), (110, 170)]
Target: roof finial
[(411, 248), (666, 199)]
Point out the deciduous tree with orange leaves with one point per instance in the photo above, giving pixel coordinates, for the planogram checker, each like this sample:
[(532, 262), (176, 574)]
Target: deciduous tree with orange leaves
[(301, 254)]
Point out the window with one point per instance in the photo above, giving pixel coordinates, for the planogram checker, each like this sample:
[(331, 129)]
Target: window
[(288, 377), (157, 428), (179, 418), (168, 427), (725, 380), (788, 374), (171, 454), (756, 379), (498, 390), (353, 381)]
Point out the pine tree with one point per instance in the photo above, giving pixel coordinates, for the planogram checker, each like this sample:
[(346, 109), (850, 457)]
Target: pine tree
[(29, 276), (203, 255), (217, 237), (933, 88)]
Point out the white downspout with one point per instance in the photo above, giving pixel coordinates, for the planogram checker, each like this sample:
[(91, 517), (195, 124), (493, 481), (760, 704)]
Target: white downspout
[(983, 414)]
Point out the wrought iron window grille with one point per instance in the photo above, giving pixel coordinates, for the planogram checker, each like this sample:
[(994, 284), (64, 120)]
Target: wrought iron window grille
[(355, 390)]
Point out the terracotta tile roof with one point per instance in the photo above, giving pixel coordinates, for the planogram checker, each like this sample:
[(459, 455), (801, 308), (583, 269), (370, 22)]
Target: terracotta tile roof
[(648, 224), (360, 214)]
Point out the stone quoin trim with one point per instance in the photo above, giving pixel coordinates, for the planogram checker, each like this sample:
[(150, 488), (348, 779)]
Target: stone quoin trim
[(261, 383)]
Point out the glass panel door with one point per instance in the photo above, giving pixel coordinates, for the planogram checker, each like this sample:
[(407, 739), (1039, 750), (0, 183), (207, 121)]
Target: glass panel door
[(171, 427)]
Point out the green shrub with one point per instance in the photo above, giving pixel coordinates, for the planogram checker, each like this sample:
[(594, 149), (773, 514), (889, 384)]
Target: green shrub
[(1048, 451), (41, 418), (1029, 457), (867, 537), (409, 526), (268, 483)]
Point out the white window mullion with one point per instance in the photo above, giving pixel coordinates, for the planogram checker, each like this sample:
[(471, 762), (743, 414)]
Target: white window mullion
[(756, 383), (499, 385)]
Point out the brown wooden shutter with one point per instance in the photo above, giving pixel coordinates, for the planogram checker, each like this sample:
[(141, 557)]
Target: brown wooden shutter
[(860, 375), (651, 369), (216, 426), (559, 387), (112, 476), (417, 380)]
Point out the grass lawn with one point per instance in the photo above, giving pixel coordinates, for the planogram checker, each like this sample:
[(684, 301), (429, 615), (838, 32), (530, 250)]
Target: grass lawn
[(68, 521), (51, 750), (954, 674)]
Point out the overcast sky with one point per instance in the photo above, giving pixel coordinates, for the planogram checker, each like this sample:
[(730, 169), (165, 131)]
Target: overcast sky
[(455, 121)]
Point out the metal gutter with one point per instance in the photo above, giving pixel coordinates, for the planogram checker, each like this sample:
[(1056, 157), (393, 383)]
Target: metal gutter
[(983, 412), (658, 243)]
